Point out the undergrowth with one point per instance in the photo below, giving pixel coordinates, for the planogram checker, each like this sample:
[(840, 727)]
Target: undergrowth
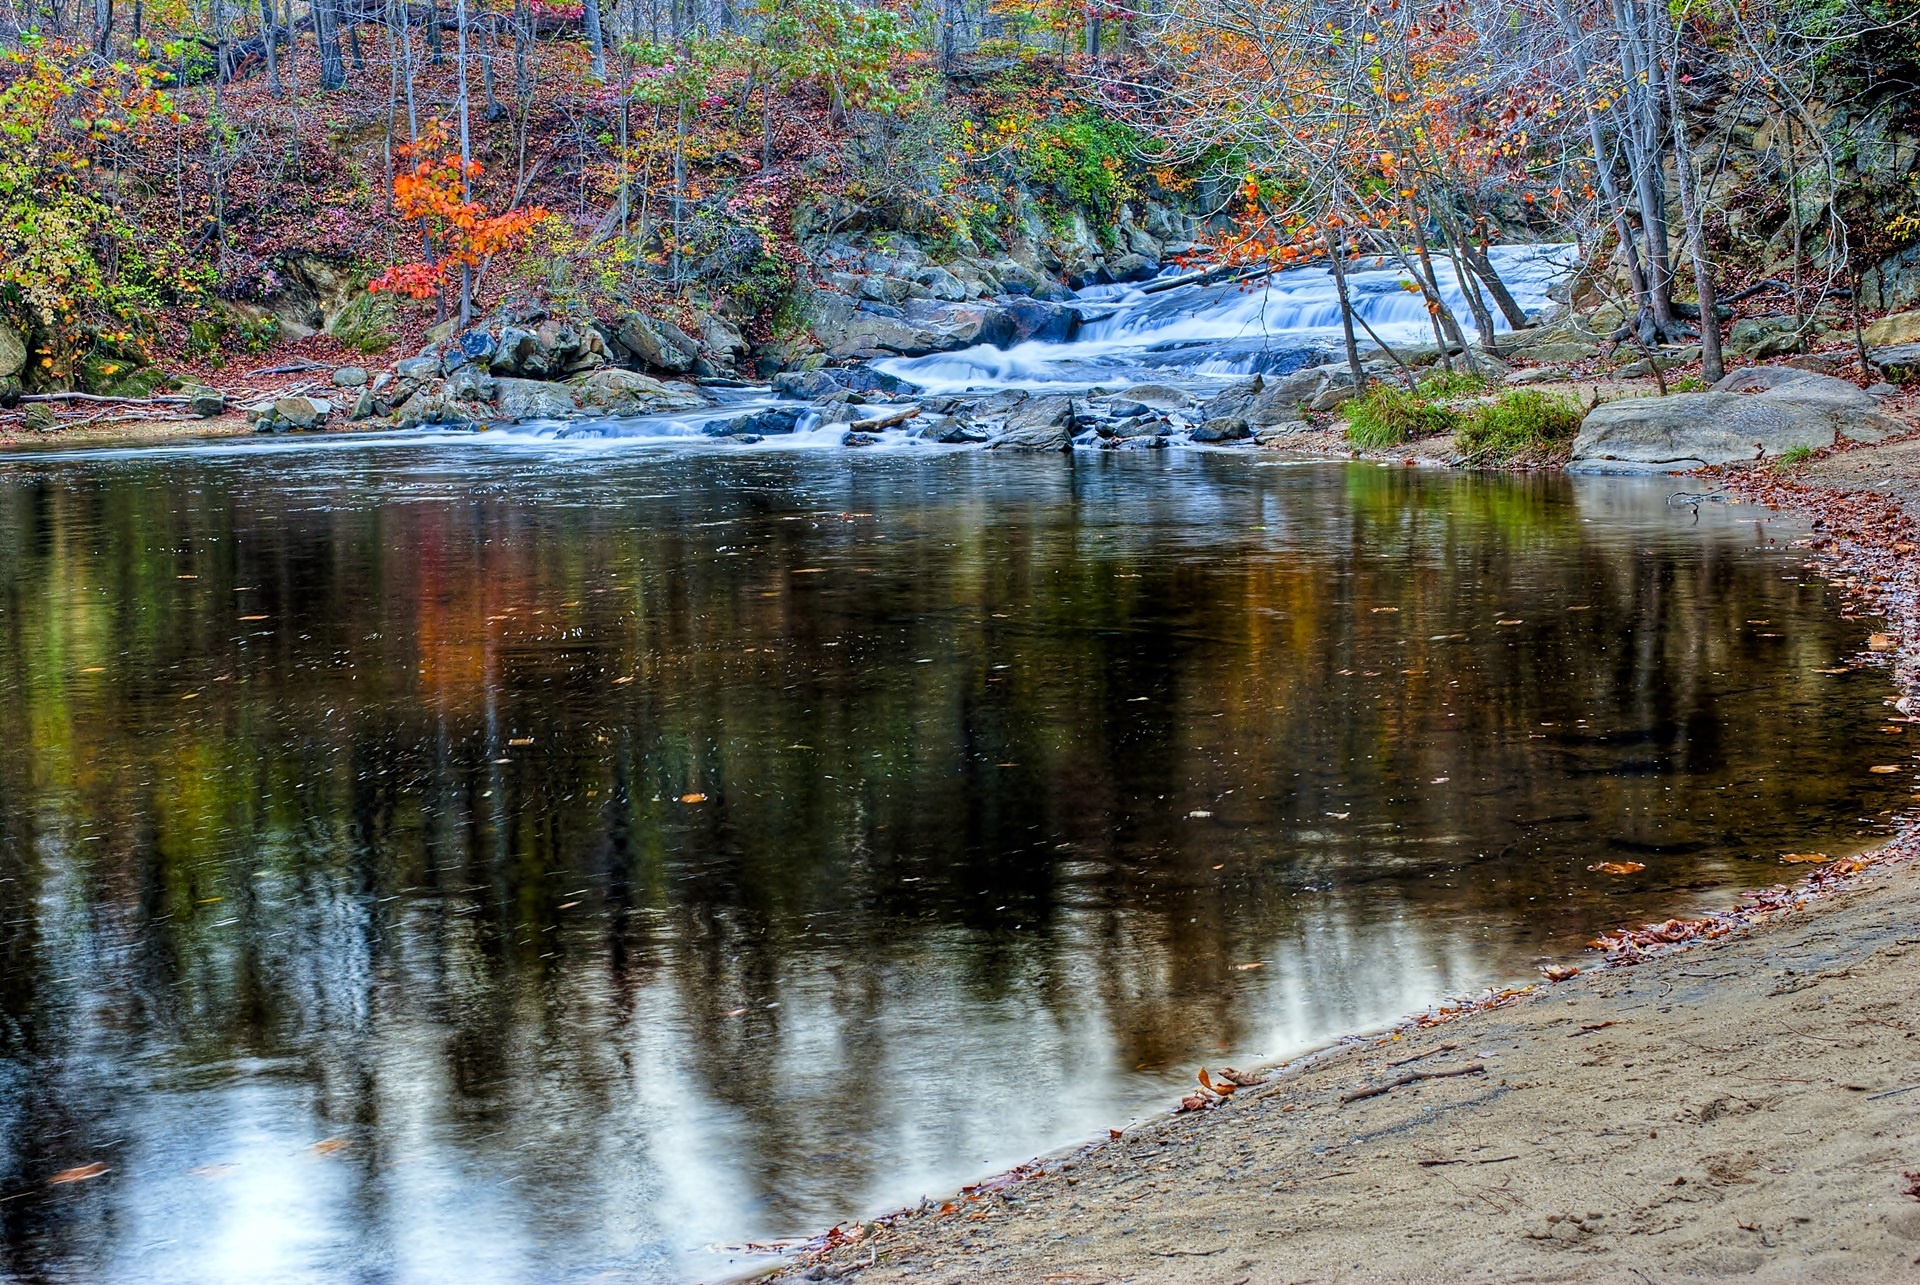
[(1452, 383), (1385, 415), (1520, 421)]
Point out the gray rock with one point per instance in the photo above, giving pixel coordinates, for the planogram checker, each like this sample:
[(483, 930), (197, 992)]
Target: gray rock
[(660, 344), (518, 352), (471, 346), (369, 405), (942, 284), (419, 369), (627, 392), (1762, 337), (518, 399), (1041, 424), (40, 418), (1129, 267), (780, 419), (1035, 439), (1001, 402), (1038, 319), (1534, 375), (883, 289), (1854, 412), (13, 351), (1689, 430), (206, 402), (349, 377), (722, 342), (1268, 434), (1158, 396), (952, 431), (1332, 396), (1222, 430), (1140, 426), (302, 412), (471, 383), (1900, 363), (1882, 390), (1557, 351)]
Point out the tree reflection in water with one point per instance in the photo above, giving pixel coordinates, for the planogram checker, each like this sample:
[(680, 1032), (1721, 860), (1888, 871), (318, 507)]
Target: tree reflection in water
[(609, 855)]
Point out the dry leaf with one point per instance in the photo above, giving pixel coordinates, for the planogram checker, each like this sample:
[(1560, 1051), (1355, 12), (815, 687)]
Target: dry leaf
[(1619, 867), (79, 1173), (733, 1012), (1883, 769), (1196, 1102), (1113, 1133), (1207, 1083), (1881, 642), (1560, 972), (1804, 858), (521, 740), (1245, 1079), (327, 1146), (1247, 968), (693, 798)]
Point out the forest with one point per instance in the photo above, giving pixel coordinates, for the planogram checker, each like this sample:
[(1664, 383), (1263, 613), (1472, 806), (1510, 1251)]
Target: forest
[(192, 183)]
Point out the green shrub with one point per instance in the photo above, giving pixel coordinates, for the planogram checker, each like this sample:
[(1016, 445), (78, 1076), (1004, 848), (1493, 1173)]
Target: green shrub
[(1386, 415), (1451, 383), (1793, 458), (1519, 421), (1688, 384)]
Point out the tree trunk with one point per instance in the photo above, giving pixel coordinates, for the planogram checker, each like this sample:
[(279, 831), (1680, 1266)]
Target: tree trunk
[(353, 46), (466, 158), (333, 73), (595, 42), (1712, 366), (270, 33), (1336, 251)]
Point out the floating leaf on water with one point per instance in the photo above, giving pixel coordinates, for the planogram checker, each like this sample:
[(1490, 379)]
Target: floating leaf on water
[(327, 1146), (79, 1173), (1804, 858), (1509, 622), (1881, 642), (733, 1012), (1247, 968), (693, 798), (1619, 867), (521, 740), (1884, 769), (1199, 812)]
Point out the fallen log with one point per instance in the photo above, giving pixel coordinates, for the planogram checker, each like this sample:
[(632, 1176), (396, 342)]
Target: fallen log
[(96, 397)]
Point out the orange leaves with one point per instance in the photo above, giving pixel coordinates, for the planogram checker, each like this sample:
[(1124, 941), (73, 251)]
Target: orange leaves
[(435, 193), (1619, 867)]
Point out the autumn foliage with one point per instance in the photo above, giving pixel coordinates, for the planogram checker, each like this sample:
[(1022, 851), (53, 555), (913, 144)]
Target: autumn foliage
[(434, 194)]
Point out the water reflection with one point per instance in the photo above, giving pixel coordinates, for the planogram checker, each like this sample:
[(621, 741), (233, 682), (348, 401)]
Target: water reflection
[(431, 861)]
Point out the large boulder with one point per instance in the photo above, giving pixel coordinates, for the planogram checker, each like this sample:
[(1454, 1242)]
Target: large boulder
[(1900, 328), (1691, 430), (1900, 363), (1854, 412), (722, 343), (625, 392), (1039, 320), (861, 328), (13, 351), (533, 399), (1763, 337), (303, 412), (657, 343), (1041, 424)]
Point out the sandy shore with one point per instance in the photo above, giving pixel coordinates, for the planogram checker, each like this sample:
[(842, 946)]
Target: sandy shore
[(1745, 1105)]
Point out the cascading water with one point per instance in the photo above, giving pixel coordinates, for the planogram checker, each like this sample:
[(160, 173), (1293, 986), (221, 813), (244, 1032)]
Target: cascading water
[(1194, 334)]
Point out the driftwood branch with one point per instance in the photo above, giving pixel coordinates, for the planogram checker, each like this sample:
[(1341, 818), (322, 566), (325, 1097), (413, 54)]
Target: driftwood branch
[(95, 397), (1375, 1090)]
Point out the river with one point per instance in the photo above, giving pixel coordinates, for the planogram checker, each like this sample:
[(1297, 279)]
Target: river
[(516, 859)]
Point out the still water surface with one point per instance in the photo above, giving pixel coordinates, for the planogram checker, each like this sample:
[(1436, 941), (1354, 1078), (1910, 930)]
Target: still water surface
[(432, 862)]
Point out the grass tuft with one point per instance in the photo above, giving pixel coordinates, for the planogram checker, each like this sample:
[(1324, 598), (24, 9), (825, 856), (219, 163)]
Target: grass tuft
[(1451, 383), (1521, 421), (1386, 415)]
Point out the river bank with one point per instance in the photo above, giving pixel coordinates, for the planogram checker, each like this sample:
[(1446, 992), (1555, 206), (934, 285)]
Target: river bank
[(1741, 1106)]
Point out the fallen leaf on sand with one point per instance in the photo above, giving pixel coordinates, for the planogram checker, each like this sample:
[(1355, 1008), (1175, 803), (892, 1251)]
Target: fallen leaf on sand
[(327, 1146), (1195, 1102), (1560, 972), (1113, 1133), (693, 798), (1804, 858), (1245, 1079), (1206, 1082), (1619, 867), (79, 1173)]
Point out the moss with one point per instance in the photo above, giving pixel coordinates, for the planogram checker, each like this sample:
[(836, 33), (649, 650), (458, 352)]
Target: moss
[(369, 322), (1521, 421), (1386, 415)]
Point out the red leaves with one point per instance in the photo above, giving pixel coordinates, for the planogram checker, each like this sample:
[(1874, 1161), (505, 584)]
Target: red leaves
[(434, 194)]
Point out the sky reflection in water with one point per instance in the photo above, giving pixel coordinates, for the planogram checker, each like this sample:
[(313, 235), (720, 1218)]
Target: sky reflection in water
[(344, 806)]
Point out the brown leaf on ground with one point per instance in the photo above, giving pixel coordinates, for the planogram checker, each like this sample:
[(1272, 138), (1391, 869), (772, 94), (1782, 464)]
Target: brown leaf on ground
[(1913, 1185), (1560, 972), (79, 1173), (1245, 1079), (1207, 1083), (1195, 1102), (1619, 867)]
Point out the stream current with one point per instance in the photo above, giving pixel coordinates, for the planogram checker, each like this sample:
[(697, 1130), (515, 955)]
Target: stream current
[(524, 858)]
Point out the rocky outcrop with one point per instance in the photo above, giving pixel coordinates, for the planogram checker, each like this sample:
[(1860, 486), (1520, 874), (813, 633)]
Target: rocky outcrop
[(1752, 415)]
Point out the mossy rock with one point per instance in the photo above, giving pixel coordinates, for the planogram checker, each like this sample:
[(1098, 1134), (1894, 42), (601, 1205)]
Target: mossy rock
[(369, 322), (115, 376)]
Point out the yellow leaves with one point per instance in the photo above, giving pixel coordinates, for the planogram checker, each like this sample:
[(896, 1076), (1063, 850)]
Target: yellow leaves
[(1619, 867), (79, 1173), (1804, 858)]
